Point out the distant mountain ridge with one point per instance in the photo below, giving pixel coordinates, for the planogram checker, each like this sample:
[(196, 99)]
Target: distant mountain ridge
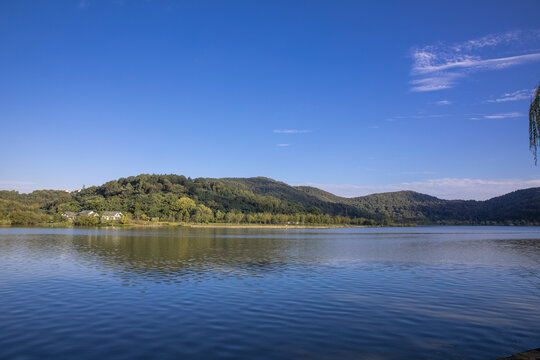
[(157, 196), (406, 205)]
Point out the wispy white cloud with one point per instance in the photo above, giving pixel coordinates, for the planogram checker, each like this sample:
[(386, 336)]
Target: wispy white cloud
[(524, 94), (291, 131), (503, 116), (421, 116), (438, 67), (443, 102), (416, 116), (489, 40), (508, 115), (436, 82), (445, 188), (470, 63), (283, 145)]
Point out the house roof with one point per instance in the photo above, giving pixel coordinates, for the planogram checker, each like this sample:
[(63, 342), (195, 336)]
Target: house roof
[(86, 212), (111, 213)]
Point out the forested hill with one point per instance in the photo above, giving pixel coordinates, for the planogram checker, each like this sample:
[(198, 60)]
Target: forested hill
[(256, 200), (328, 204), (522, 206)]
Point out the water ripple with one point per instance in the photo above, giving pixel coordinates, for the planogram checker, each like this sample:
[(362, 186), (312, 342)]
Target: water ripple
[(423, 293)]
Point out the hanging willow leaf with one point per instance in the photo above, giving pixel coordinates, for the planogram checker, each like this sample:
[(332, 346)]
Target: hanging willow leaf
[(534, 123)]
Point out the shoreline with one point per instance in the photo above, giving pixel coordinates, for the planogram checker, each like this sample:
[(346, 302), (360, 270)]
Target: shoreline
[(190, 225), (151, 225), (269, 226)]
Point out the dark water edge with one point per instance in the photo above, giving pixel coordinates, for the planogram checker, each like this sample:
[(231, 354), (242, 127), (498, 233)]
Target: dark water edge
[(358, 293)]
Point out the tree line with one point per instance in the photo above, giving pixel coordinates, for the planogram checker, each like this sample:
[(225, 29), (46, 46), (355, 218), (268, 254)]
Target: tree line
[(180, 199), (165, 198)]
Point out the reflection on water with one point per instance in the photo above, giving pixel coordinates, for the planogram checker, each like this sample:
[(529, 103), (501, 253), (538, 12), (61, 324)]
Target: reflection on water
[(430, 292)]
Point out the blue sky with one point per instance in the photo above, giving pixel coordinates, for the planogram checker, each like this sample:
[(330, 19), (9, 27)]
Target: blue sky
[(354, 98)]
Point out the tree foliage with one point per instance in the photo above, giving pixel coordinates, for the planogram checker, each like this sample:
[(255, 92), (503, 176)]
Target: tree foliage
[(176, 198)]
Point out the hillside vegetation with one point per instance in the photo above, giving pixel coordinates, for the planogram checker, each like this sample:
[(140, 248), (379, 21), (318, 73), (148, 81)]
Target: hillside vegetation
[(176, 198)]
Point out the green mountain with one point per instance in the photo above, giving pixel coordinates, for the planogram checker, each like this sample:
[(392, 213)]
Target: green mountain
[(405, 206), (517, 205), (263, 200), (308, 197), (521, 206)]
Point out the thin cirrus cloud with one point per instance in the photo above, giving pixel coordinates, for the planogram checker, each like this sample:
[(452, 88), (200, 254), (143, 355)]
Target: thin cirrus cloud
[(443, 102), (441, 66), (524, 94), (444, 188), (291, 131), (417, 116), (509, 115), (503, 116)]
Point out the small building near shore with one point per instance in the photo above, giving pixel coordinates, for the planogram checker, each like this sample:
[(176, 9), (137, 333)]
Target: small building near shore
[(70, 215), (112, 216), (87, 213)]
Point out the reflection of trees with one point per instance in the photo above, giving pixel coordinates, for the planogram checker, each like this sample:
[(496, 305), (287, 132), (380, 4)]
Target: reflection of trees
[(173, 255), (186, 254), (528, 248)]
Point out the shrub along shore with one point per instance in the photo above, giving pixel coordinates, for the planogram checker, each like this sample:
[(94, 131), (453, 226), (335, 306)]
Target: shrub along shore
[(239, 220)]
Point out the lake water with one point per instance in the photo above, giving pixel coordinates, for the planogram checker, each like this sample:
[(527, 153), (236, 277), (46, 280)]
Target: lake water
[(374, 293)]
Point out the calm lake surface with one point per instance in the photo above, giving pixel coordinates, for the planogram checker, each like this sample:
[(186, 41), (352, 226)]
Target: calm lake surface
[(374, 293)]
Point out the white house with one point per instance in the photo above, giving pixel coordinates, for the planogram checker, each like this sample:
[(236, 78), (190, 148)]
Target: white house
[(112, 216), (87, 213)]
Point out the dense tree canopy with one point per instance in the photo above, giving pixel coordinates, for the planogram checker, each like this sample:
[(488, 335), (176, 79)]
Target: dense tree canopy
[(175, 198)]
